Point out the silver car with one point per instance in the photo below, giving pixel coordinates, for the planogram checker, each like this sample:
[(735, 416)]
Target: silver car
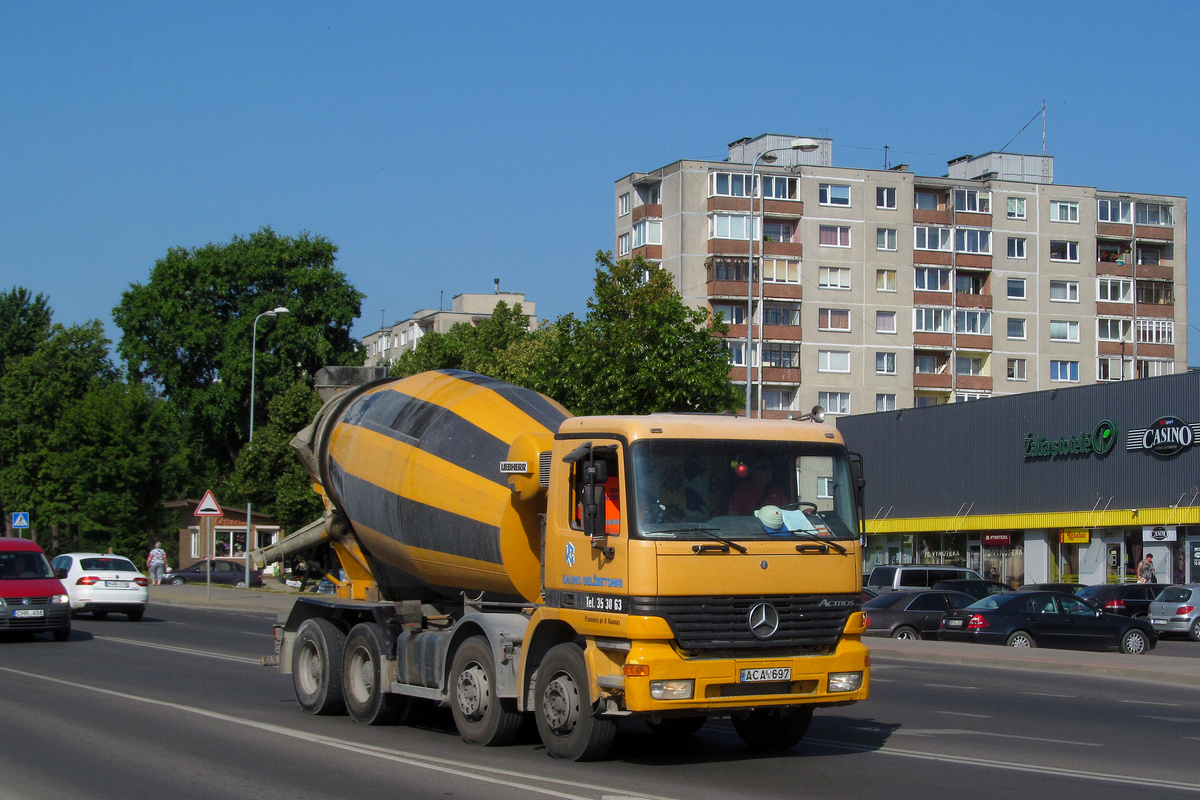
[(1177, 610)]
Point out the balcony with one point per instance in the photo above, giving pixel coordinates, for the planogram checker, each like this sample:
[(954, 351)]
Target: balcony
[(934, 380), (781, 375), (1104, 309), (650, 252), (652, 210), (783, 208), (923, 298), (974, 383), (975, 341), (973, 261), (971, 300), (937, 340), (789, 249), (1154, 232), (1161, 310), (923, 216), (937, 258), (1147, 350), (973, 220), (781, 333)]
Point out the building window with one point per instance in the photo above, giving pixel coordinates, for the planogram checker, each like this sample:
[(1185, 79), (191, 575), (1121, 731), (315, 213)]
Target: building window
[(1114, 211), (932, 320), (968, 283), (623, 204), (834, 236), (926, 201), (1064, 211), (1155, 293), (885, 197), (781, 354), (728, 269), (722, 226), (777, 187), (778, 399), (737, 352), (833, 278), (780, 270), (1156, 331), (1154, 367), (1016, 208), (929, 238), (885, 363), (1064, 371), (1148, 256), (1062, 330), (973, 201), (1064, 291), (970, 240), (968, 365), (1016, 327), (623, 244), (777, 231), (1016, 369), (1016, 288), (731, 313), (834, 194), (834, 402), (885, 321), (833, 319), (885, 402), (1112, 368), (649, 195), (979, 322), (726, 184), (931, 279), (1064, 251), (833, 361), (781, 314), (1154, 214), (885, 239), (647, 232), (925, 365), (885, 280), (1016, 247), (1114, 330)]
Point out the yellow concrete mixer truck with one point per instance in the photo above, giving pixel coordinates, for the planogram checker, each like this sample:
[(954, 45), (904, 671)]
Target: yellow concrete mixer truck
[(501, 557)]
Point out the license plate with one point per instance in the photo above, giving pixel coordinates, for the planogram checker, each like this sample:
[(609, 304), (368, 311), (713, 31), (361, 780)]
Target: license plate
[(29, 612), (117, 584), (1158, 622), (766, 674), (954, 623)]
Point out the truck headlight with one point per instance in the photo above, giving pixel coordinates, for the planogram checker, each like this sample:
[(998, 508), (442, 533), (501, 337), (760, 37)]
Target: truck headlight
[(672, 690), (845, 681)]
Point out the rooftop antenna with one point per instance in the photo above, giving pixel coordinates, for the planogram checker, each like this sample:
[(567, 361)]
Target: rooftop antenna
[(1027, 124), (497, 282), (441, 294), (885, 156)]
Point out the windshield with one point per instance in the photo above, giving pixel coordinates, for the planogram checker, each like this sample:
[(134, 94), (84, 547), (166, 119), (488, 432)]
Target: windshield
[(23, 565), (741, 490)]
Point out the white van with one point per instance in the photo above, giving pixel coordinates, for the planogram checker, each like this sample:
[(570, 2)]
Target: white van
[(886, 579)]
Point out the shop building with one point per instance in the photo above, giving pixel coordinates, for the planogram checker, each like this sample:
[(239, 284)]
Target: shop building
[(221, 534), (1074, 484)]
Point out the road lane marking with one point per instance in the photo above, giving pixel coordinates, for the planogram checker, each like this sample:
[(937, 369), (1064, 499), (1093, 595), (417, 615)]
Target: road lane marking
[(186, 651), (964, 714), (1184, 720), (954, 732), (1049, 694), (1149, 703), (951, 686), (556, 787)]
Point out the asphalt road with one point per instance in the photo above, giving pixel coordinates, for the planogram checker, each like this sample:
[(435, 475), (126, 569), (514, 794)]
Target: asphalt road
[(177, 706)]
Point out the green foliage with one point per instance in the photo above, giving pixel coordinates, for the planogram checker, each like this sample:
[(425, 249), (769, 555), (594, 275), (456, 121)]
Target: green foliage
[(268, 472), (477, 348), (189, 329), (24, 324)]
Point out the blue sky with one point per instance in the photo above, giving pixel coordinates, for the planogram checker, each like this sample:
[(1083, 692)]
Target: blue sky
[(441, 145)]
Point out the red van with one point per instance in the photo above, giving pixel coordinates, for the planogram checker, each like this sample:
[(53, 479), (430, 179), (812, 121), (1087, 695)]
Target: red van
[(32, 599)]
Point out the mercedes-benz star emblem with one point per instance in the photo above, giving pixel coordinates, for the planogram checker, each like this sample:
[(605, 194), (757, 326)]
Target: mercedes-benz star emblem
[(764, 620)]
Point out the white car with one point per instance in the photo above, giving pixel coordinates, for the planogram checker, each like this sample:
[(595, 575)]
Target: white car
[(99, 583)]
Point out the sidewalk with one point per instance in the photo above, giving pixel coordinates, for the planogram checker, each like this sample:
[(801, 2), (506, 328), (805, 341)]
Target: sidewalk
[(271, 598)]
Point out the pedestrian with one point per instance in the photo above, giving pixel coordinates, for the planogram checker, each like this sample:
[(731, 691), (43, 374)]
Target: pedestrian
[(1146, 570), (156, 562)]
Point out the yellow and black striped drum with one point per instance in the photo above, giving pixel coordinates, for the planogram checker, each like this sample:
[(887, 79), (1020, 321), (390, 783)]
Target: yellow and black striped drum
[(415, 464)]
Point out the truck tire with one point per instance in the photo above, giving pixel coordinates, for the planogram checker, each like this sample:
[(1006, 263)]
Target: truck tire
[(317, 657), (773, 728), (480, 716), (565, 719), (365, 682)]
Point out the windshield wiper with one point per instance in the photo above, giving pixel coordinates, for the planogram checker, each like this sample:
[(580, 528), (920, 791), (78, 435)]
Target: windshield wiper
[(823, 543), (707, 531)]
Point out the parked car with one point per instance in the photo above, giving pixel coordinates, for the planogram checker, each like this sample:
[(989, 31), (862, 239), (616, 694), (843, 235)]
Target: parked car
[(915, 576), (1126, 599), (1177, 610), (911, 615), (1045, 619), (99, 583), (230, 571), (1069, 588), (978, 589), (32, 600)]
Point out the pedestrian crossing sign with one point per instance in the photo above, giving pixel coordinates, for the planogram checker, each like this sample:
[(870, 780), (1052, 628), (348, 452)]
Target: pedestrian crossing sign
[(20, 519)]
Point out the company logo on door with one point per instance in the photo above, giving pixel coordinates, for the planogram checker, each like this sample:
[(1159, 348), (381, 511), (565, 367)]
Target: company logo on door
[(1166, 437)]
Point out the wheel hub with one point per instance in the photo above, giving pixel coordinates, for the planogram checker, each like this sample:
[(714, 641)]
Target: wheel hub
[(472, 692), (561, 704)]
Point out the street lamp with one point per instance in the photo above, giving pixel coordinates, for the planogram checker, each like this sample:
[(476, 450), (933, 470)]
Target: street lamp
[(805, 145), (275, 312)]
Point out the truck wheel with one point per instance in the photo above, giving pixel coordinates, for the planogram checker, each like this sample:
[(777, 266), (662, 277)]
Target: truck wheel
[(317, 667), (565, 720), (480, 716), (364, 682), (773, 728)]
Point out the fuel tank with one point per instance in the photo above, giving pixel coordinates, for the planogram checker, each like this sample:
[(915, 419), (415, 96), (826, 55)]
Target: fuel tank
[(415, 465)]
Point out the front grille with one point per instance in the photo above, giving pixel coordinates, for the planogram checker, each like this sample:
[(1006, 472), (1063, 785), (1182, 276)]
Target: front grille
[(811, 622), (55, 615)]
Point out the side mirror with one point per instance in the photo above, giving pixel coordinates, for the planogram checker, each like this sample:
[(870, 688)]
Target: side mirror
[(61, 572), (595, 474)]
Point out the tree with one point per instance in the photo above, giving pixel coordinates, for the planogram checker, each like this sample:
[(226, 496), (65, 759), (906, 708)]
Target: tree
[(189, 329), (24, 324), (476, 348)]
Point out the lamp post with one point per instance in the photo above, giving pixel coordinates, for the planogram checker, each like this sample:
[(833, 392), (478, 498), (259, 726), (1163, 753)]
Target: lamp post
[(275, 312), (804, 145)]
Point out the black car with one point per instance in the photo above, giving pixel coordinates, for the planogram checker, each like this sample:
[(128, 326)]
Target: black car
[(230, 571), (978, 589), (1045, 619), (1126, 599), (911, 615)]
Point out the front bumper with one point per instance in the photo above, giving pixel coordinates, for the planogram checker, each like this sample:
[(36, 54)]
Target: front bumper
[(54, 617)]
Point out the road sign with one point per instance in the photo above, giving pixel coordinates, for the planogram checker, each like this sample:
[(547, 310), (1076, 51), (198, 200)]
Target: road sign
[(20, 519), (208, 506)]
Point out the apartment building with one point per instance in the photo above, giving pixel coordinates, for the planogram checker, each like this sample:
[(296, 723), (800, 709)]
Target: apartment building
[(876, 290), (386, 344)]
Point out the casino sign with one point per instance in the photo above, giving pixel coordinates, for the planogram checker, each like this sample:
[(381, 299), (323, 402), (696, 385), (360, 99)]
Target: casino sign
[(1165, 437)]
